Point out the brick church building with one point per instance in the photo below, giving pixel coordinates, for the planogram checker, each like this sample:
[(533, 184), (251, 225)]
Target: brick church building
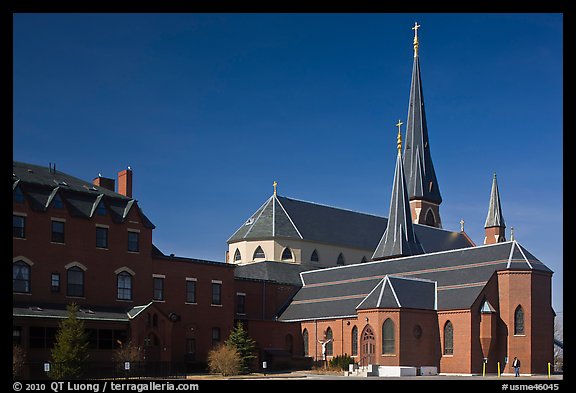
[(397, 291)]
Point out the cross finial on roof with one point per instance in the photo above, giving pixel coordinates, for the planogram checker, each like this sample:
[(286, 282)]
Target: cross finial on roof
[(462, 225), (415, 28), (399, 139), (274, 185)]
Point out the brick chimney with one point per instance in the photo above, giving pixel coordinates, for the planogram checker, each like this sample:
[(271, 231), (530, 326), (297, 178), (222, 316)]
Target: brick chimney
[(104, 182), (125, 182)]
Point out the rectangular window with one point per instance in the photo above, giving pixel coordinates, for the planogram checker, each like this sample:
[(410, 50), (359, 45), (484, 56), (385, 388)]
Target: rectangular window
[(55, 282), (158, 288), (215, 336), (57, 231), (216, 293), (42, 337), (241, 303), (190, 291), (19, 226), (133, 241), (101, 237), (75, 285)]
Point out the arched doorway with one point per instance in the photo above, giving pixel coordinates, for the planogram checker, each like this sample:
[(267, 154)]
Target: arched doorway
[(367, 346)]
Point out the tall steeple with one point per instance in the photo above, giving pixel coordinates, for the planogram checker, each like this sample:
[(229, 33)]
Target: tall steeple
[(399, 238), (495, 226), (423, 187)]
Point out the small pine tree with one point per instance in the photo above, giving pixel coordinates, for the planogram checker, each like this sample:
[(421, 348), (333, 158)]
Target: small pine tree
[(71, 347), (244, 345)]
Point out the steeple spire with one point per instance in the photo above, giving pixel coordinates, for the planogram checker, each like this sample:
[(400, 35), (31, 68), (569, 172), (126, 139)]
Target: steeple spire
[(423, 187), (494, 225), (399, 238)]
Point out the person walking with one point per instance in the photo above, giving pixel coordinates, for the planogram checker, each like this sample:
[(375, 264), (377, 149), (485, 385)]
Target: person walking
[(516, 365)]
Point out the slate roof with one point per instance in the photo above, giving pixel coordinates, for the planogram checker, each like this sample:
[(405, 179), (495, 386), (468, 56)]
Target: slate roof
[(41, 185), (459, 277), (399, 237), (291, 218), (420, 174), (494, 217), (280, 272)]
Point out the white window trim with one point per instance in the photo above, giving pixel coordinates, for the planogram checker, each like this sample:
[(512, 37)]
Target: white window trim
[(75, 264), (125, 269)]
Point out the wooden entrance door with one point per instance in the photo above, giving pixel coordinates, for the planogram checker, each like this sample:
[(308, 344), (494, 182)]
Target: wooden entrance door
[(367, 346)]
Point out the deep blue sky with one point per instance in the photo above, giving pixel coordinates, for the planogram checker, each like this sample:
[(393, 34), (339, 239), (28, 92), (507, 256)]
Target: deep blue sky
[(210, 109)]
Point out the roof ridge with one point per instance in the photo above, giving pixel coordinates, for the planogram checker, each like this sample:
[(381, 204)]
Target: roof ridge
[(287, 215), (359, 212), (410, 256)]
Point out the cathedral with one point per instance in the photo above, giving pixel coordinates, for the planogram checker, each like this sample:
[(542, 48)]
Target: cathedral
[(399, 294)]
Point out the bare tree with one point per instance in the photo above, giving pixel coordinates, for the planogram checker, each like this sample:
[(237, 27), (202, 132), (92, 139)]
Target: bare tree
[(558, 339)]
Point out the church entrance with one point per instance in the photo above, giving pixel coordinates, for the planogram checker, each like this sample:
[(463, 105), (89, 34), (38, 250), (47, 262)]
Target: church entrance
[(367, 346)]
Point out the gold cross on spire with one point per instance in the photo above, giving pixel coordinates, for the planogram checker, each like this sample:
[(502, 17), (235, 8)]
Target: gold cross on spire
[(275, 185), (399, 139), (415, 28)]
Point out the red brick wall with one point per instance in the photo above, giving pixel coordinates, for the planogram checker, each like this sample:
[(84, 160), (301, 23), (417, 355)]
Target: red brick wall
[(80, 246), (263, 299), (459, 361), (532, 291)]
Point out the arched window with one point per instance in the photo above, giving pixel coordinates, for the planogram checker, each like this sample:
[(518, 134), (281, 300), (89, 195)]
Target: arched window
[(259, 253), (354, 349), (286, 254), (519, 321), (363, 260), (448, 338), (21, 277), (75, 282), (430, 220), (388, 340), (340, 260), (314, 256), (329, 346), (124, 286), (305, 339), (237, 256)]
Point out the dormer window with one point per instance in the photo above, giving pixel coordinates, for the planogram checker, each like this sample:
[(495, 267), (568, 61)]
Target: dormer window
[(287, 254), (101, 209), (57, 202), (314, 256), (259, 253), (18, 195)]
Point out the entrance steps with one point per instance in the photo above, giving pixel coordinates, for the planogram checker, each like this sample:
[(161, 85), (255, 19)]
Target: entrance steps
[(374, 370)]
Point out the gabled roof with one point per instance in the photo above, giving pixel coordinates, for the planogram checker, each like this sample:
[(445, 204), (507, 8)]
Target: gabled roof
[(41, 185), (314, 222), (401, 292), (460, 275)]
